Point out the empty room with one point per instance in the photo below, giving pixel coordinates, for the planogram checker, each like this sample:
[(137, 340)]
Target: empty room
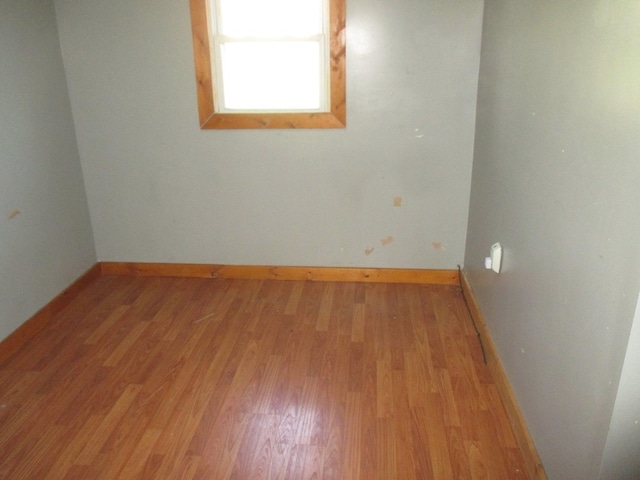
[(319, 239)]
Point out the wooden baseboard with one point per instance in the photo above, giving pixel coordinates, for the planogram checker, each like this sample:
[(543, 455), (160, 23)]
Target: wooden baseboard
[(40, 320), (327, 274), (535, 470)]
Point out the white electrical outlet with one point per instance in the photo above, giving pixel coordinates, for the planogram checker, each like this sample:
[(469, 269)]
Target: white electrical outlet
[(494, 261)]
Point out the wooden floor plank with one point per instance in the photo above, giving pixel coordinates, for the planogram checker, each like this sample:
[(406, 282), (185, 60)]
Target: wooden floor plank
[(167, 378)]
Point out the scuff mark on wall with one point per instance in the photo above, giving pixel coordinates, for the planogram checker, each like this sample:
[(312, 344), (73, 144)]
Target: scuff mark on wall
[(369, 250), (397, 201), (386, 241), (438, 246), (14, 214)]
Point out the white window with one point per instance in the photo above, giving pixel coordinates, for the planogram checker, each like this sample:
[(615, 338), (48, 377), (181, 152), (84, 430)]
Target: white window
[(270, 55), (270, 63)]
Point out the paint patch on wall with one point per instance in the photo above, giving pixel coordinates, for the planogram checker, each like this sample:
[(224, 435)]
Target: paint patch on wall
[(14, 214), (386, 241), (369, 250), (397, 201)]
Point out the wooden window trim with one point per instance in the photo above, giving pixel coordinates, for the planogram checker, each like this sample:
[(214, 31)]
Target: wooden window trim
[(209, 119)]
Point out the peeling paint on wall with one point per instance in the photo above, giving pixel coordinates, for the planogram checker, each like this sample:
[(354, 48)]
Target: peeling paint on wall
[(386, 241), (438, 246)]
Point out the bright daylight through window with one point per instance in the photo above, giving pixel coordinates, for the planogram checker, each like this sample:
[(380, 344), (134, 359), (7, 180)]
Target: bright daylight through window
[(270, 64)]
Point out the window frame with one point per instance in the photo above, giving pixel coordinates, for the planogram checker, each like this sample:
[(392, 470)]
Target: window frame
[(210, 119)]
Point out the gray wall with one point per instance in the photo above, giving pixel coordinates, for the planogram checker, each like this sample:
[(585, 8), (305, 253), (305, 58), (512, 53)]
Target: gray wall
[(556, 179), (160, 189), (45, 234)]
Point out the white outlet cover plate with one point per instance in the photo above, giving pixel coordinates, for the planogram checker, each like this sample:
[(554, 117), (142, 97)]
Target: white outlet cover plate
[(496, 257)]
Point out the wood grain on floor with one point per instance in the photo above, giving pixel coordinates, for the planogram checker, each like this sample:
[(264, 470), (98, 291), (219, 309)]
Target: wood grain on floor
[(186, 378)]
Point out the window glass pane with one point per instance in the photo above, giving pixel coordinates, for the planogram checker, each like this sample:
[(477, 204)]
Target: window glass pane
[(271, 75), (273, 18)]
